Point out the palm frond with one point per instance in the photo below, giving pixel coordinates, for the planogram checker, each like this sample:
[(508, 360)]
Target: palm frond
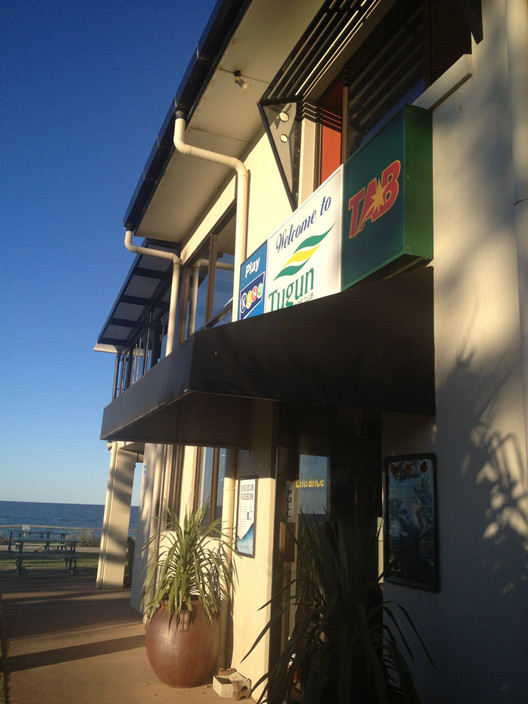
[(347, 647), (191, 564)]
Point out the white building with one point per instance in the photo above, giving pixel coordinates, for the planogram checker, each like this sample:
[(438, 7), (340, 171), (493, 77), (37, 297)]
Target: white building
[(404, 335)]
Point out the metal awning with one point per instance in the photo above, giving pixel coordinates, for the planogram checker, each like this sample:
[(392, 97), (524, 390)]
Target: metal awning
[(146, 288), (370, 347)]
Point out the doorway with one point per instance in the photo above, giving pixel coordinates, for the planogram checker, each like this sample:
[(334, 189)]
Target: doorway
[(329, 463)]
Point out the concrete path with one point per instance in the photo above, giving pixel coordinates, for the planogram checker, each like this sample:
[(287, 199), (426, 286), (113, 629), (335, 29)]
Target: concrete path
[(69, 643)]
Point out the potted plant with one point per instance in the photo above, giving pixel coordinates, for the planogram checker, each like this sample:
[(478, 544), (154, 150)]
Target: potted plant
[(346, 645), (188, 579)]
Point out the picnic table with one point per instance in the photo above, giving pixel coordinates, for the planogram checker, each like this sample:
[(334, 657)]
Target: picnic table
[(31, 545)]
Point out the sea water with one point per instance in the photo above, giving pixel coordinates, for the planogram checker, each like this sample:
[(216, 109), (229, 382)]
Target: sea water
[(33, 513)]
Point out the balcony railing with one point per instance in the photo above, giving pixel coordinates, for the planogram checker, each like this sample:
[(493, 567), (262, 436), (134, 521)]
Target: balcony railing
[(133, 363)]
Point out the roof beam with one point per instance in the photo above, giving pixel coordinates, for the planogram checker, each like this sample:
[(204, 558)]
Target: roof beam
[(152, 273)]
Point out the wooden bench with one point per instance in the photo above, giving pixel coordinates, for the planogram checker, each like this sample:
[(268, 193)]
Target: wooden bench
[(42, 545)]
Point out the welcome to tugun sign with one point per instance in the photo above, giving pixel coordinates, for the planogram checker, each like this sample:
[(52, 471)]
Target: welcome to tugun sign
[(372, 217)]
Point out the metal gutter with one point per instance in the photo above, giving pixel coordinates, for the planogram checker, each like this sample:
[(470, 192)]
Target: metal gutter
[(218, 32)]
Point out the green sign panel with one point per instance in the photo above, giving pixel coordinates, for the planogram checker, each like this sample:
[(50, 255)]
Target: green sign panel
[(388, 200)]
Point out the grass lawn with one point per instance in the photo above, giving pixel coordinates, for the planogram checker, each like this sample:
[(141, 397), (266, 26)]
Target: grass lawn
[(86, 566)]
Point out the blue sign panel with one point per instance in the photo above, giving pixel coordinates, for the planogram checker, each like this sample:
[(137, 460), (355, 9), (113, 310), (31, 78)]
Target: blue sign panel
[(253, 284)]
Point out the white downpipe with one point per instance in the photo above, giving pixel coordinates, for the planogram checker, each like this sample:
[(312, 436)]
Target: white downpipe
[(242, 196), (176, 264)]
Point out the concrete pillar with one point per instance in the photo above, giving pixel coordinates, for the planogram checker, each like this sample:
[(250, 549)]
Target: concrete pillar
[(148, 502), (112, 555)]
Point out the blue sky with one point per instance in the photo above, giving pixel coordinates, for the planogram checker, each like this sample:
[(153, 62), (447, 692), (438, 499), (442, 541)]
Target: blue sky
[(86, 85)]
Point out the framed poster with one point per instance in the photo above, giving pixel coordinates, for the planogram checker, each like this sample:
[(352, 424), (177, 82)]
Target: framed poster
[(410, 528), (245, 528)]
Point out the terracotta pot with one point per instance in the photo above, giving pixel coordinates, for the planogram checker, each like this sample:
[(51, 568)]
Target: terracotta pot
[(182, 654)]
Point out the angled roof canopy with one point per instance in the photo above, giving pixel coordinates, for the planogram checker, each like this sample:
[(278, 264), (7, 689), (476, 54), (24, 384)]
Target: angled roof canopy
[(145, 289)]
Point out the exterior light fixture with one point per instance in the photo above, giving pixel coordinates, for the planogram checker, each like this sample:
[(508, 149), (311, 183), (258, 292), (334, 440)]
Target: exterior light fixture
[(284, 138), (283, 116), (241, 82)]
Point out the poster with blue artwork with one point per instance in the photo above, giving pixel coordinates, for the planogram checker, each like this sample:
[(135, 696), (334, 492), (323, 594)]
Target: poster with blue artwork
[(245, 531), (410, 530)]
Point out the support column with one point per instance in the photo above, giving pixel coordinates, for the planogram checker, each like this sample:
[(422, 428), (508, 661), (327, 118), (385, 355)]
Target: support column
[(150, 501), (112, 554)]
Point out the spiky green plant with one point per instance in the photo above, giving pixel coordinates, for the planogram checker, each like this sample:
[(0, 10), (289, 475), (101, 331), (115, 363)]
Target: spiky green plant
[(347, 646), (190, 565)]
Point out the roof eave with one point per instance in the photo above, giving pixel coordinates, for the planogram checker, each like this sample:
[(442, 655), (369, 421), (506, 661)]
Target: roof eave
[(223, 22)]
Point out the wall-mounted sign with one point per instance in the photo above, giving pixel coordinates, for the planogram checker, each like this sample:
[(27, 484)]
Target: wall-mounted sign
[(301, 260), (387, 199), (245, 529), (253, 284), (304, 259), (290, 502), (410, 530), (372, 216)]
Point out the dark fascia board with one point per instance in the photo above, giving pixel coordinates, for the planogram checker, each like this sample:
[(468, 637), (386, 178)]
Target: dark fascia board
[(370, 347), (473, 13), (221, 26), (161, 407)]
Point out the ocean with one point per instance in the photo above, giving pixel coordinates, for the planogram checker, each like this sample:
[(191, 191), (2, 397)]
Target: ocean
[(33, 513)]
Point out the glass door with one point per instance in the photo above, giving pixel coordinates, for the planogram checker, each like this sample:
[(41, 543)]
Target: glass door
[(328, 464), (312, 486)]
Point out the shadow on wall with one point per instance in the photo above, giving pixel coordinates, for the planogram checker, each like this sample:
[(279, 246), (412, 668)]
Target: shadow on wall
[(483, 532), (492, 464), (502, 474)]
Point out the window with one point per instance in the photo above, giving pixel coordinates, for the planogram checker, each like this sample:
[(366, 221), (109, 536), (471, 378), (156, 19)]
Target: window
[(211, 465), (206, 288), (408, 49), (358, 61), (172, 488), (211, 286)]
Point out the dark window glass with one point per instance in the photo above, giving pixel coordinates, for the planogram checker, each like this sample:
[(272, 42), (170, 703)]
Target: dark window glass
[(210, 479), (414, 44)]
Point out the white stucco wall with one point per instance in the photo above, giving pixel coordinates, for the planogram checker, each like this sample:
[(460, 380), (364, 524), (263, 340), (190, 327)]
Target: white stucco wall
[(476, 626), (268, 202), (254, 574)]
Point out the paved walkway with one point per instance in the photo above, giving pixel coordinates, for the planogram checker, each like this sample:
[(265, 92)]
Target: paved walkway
[(69, 643)]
